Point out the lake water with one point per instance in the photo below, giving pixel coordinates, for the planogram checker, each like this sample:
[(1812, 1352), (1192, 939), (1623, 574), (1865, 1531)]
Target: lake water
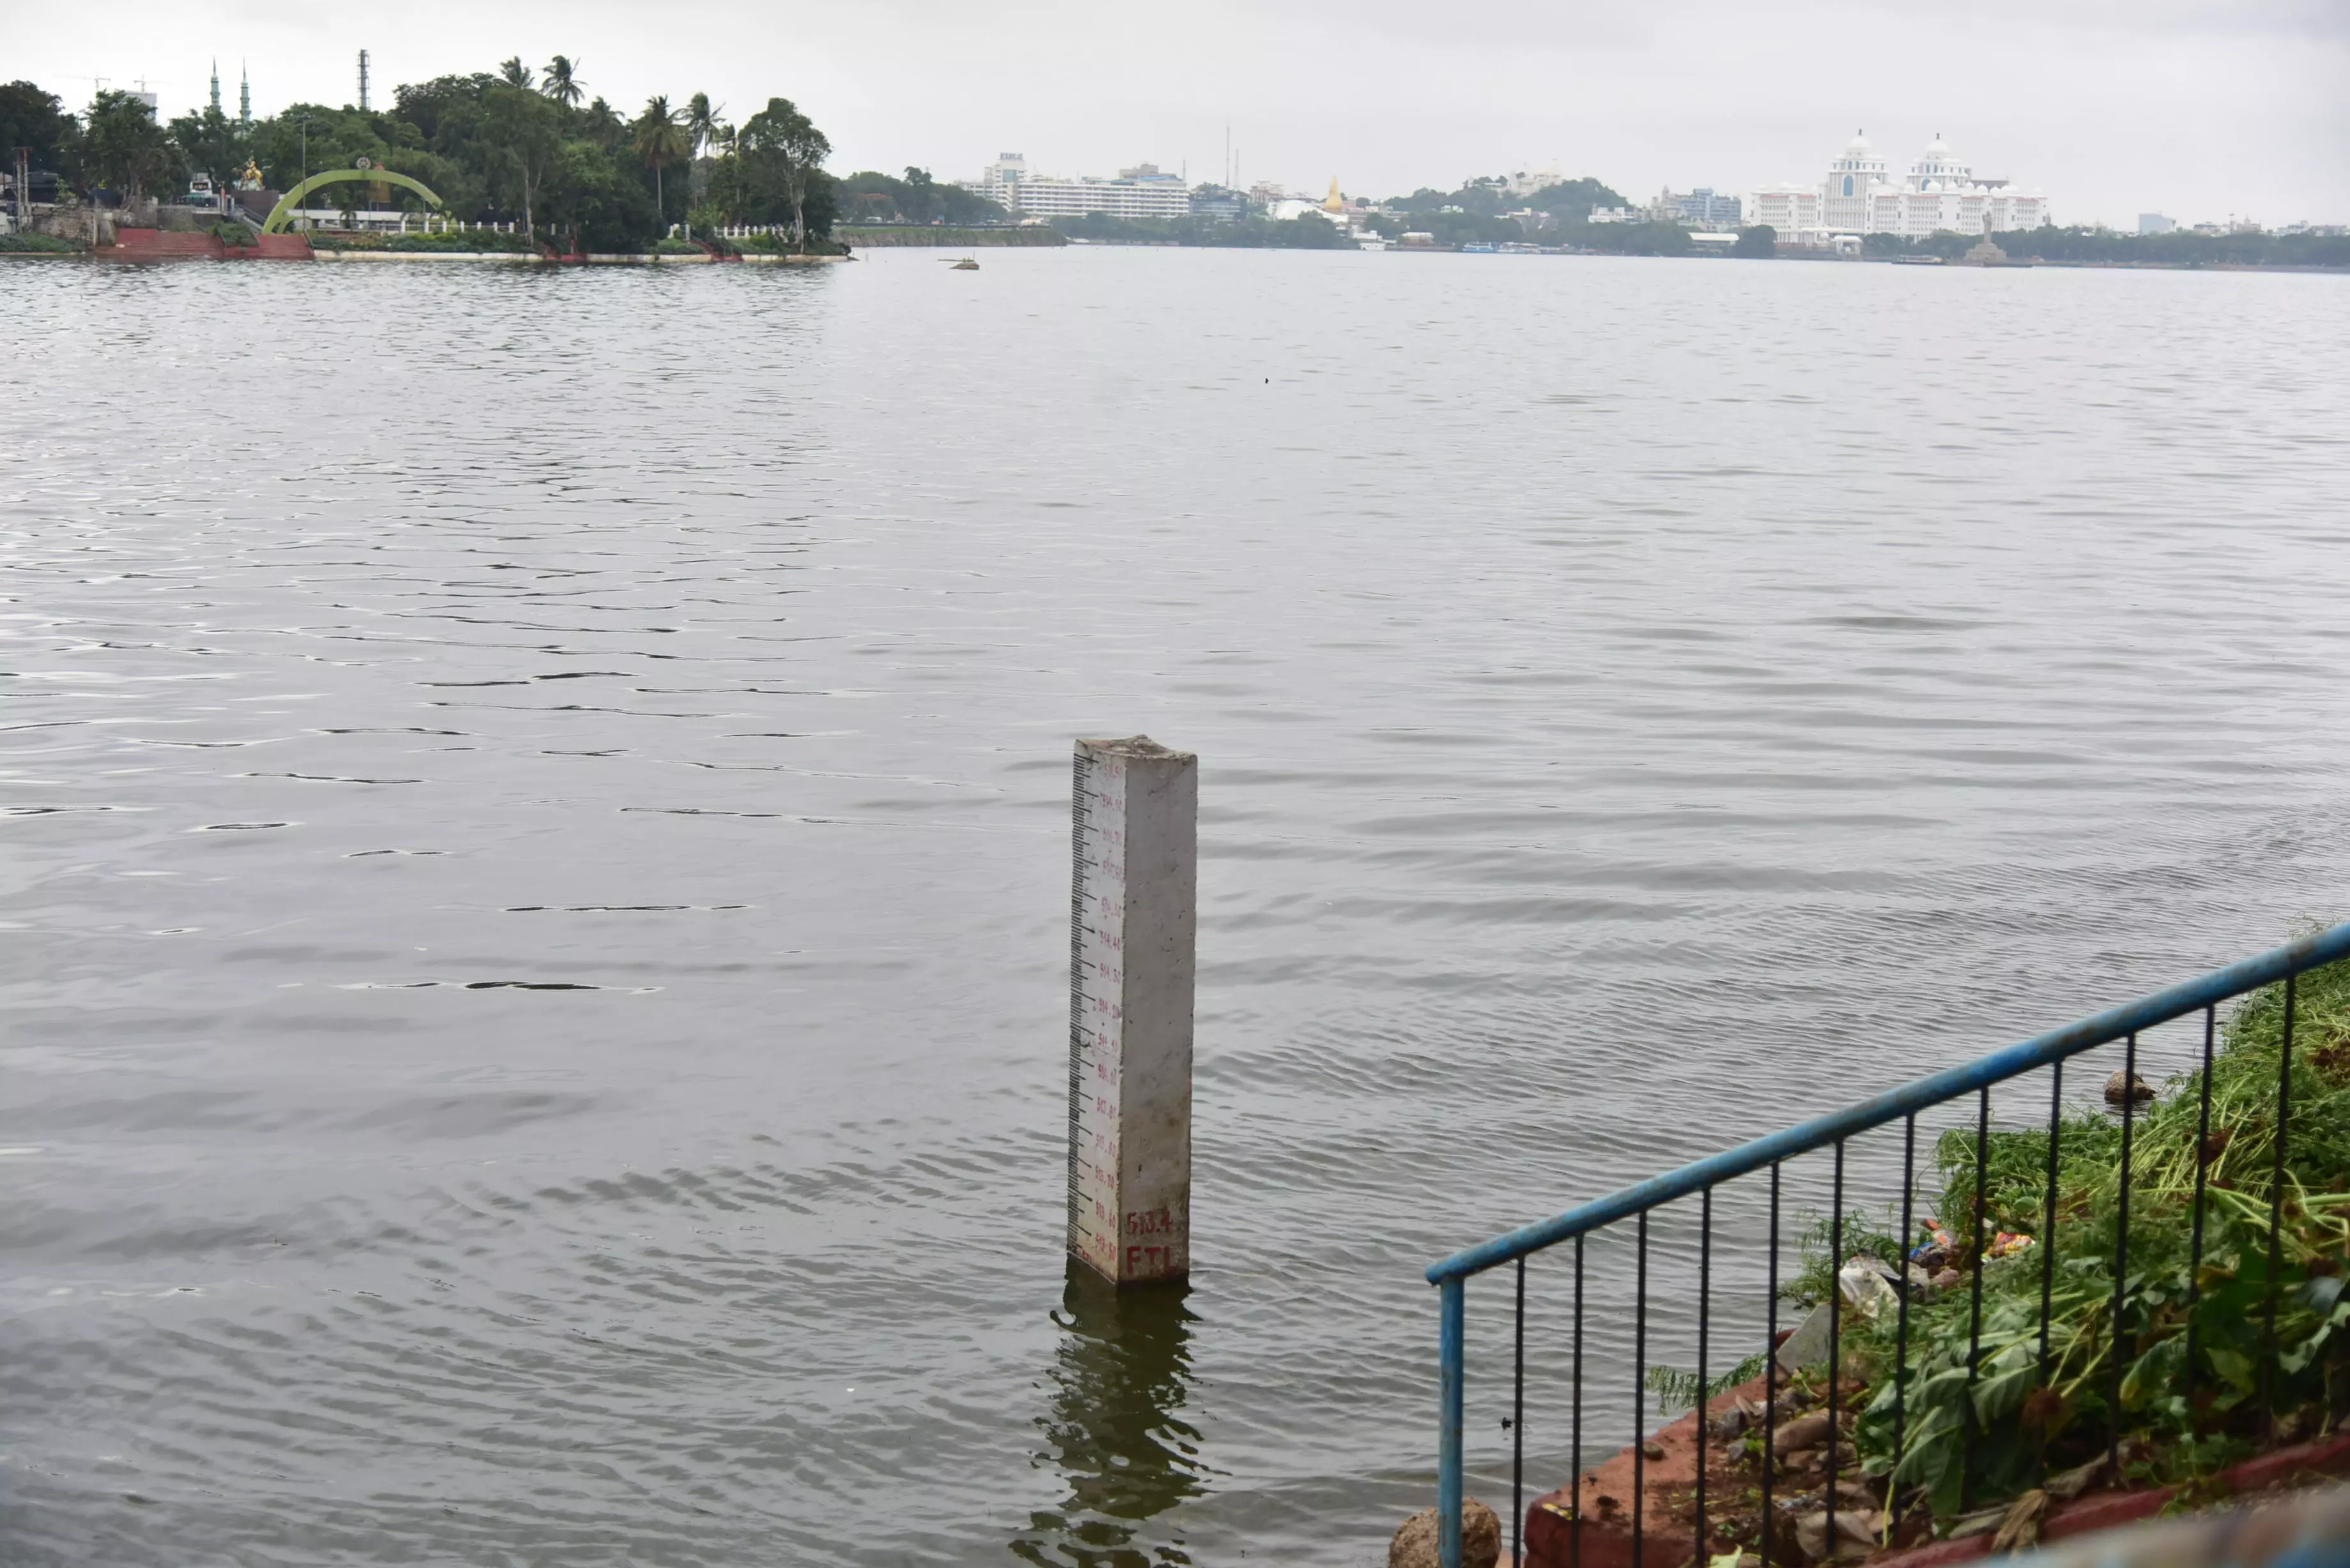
[(536, 864)]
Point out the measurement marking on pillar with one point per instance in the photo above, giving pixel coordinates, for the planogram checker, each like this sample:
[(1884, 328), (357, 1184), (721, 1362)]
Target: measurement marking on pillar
[(1134, 813)]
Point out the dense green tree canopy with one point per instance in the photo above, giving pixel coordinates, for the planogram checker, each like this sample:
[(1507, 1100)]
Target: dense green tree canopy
[(1574, 200), (34, 118), (123, 149), (512, 145), (210, 142), (1473, 214), (871, 197)]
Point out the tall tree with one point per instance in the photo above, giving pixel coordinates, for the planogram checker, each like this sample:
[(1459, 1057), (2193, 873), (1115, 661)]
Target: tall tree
[(727, 142), (562, 82), (660, 141), (211, 141), (32, 117), (606, 128), (514, 73), (702, 121), (782, 137), (122, 148), (526, 132)]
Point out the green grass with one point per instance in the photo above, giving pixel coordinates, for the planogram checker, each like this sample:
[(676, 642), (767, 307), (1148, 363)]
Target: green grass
[(38, 244)]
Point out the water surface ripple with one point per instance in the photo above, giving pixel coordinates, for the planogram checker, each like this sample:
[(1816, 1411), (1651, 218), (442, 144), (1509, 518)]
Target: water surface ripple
[(535, 875)]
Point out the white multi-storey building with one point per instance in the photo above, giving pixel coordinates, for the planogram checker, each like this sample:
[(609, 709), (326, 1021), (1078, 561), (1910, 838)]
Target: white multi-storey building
[(1858, 197), (1000, 179), (1793, 210), (1143, 191)]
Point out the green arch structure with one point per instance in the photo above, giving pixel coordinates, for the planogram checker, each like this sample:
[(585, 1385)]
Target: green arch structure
[(293, 199)]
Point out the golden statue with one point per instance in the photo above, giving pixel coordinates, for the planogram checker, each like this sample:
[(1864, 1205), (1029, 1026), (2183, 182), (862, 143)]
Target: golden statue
[(251, 179)]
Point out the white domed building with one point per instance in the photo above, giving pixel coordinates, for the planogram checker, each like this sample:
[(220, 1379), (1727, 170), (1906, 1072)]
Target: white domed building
[(1853, 178), (1856, 197)]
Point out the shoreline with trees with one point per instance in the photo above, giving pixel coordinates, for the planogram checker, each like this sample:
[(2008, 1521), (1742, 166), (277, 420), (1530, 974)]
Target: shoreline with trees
[(513, 147), (533, 150)]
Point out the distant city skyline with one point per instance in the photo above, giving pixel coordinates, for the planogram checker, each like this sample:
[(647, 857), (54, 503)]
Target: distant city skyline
[(2199, 108)]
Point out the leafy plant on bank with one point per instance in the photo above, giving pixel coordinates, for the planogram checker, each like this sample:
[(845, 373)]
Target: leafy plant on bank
[(2247, 1389), (1676, 1388)]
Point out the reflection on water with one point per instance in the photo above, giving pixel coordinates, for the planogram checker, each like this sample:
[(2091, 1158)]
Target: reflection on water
[(1116, 1430)]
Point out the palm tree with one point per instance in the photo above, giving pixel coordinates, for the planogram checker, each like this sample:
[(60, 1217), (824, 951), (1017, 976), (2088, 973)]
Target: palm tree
[(514, 73), (660, 141), (702, 121), (604, 128), (726, 142), (562, 82)]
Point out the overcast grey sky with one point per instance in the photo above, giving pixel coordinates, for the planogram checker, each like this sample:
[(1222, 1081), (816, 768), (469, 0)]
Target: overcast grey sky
[(2196, 108)]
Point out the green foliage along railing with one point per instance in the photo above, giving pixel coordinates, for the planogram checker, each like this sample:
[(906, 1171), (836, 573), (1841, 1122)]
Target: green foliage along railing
[(2141, 1283)]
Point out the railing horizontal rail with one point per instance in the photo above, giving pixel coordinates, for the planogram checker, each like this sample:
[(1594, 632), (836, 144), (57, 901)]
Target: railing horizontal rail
[(2040, 1051)]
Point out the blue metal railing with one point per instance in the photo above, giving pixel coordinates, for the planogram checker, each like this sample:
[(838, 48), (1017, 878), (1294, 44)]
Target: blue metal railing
[(1903, 1104)]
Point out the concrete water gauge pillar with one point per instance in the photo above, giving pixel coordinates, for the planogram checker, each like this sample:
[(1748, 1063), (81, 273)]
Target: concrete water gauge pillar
[(1133, 914)]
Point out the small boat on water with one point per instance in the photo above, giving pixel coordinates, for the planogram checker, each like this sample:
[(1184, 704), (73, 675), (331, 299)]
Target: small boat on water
[(964, 265)]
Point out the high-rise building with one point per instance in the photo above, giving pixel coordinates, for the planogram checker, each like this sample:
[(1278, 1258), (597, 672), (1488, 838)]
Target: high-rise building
[(998, 180), (2156, 223)]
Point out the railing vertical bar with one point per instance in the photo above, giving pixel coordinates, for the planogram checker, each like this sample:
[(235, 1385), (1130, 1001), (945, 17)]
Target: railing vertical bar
[(1640, 1388), (2195, 1246), (1452, 1311), (2276, 1215), (1575, 1457), (2121, 1254), (1518, 1425), (1704, 1306), (1974, 1270), (2048, 1236), (1771, 1369), (1901, 1321), (1835, 1336)]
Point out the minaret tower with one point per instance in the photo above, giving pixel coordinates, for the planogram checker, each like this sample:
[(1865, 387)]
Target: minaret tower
[(243, 94), (217, 109)]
